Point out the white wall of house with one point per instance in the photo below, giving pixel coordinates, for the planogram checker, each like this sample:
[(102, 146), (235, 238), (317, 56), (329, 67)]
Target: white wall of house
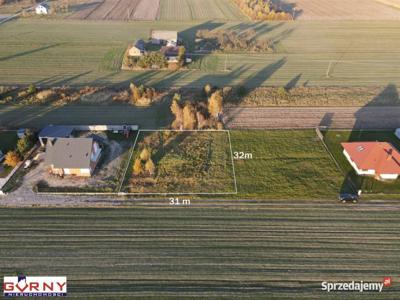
[(389, 176)]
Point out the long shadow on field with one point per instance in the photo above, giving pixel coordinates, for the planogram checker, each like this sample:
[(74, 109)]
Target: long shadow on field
[(189, 35), (293, 82), (29, 52), (253, 83)]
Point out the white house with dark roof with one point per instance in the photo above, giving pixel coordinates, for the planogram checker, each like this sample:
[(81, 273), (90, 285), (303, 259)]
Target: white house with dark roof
[(72, 156)]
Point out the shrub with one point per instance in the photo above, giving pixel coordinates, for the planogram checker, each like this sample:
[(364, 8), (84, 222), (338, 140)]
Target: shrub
[(12, 159), (137, 167), (32, 89), (150, 167), (145, 154), (189, 117)]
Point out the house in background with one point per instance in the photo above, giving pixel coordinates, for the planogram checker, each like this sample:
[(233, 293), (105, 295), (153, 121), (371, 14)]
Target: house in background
[(42, 9), (164, 37), (51, 132), (72, 156), (138, 49), (376, 159)]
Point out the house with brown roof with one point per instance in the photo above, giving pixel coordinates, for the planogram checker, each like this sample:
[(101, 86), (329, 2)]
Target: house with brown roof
[(377, 159), (72, 156)]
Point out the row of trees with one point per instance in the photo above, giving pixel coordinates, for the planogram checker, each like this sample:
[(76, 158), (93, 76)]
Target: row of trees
[(222, 39), (24, 144), (189, 116), (265, 10)]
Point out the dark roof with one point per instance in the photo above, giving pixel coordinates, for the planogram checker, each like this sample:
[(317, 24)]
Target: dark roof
[(55, 131), (169, 50), (69, 153), (140, 44)]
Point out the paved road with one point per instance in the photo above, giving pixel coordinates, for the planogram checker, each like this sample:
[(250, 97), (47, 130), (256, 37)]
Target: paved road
[(387, 117)]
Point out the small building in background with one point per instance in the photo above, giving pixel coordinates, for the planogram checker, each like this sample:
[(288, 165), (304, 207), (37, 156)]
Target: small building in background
[(72, 156), (138, 49), (42, 9), (376, 159), (164, 37), (170, 53)]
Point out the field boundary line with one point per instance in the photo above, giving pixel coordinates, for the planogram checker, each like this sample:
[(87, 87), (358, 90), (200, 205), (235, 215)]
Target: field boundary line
[(233, 164)]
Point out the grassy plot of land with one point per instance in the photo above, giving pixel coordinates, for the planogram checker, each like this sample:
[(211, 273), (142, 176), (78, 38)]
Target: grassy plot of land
[(285, 164), (249, 252), (187, 162), (367, 184)]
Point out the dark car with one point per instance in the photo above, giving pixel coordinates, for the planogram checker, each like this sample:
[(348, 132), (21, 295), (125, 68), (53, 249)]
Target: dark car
[(347, 198)]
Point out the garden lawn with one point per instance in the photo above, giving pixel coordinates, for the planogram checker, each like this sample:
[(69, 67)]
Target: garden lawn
[(186, 162), (366, 184), (286, 164)]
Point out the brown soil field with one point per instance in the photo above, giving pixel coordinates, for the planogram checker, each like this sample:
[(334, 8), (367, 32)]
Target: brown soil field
[(346, 10), (118, 10)]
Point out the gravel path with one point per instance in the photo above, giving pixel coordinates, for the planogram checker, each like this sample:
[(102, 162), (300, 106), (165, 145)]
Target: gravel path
[(306, 117)]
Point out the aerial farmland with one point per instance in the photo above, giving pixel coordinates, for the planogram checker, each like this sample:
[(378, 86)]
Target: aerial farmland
[(210, 161)]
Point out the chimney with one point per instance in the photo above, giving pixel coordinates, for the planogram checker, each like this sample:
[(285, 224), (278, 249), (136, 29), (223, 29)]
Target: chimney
[(390, 154)]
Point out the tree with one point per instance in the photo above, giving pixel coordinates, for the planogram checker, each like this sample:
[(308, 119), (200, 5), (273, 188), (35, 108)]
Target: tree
[(207, 89), (150, 167), (12, 159), (145, 154), (215, 103), (26, 142), (136, 95), (23, 146), (32, 89), (189, 117), (137, 167), (177, 111)]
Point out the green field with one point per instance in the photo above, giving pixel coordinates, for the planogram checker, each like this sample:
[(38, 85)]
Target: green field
[(366, 184), (184, 10), (286, 164), (246, 252), (186, 162), (57, 52)]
